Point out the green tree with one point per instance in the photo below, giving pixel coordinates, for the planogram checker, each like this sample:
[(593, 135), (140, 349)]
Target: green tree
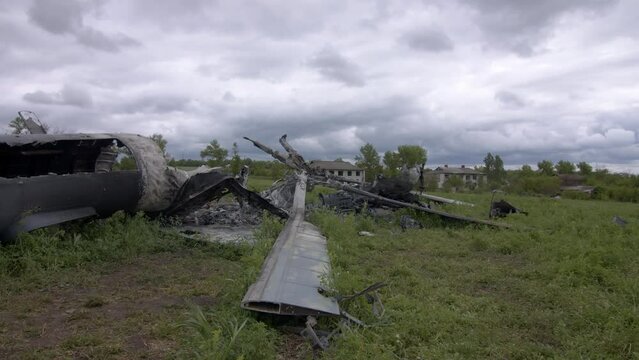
[(500, 172), (18, 125), (236, 161), (215, 154), (546, 167), (161, 141), (494, 169), (584, 168), (126, 163), (565, 167), (392, 162), (526, 170), (489, 162), (368, 159), (411, 155)]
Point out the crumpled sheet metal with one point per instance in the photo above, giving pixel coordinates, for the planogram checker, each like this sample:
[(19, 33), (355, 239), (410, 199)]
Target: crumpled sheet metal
[(291, 276)]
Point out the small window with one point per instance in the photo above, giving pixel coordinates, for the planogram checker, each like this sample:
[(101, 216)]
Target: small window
[(340, 173), (332, 172), (356, 173), (474, 177), (446, 176), (350, 173)]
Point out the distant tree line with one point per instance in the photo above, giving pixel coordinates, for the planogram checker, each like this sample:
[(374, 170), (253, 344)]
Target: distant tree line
[(406, 156), (546, 180)]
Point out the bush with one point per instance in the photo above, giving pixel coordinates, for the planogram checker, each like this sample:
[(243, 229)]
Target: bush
[(538, 184), (575, 195)]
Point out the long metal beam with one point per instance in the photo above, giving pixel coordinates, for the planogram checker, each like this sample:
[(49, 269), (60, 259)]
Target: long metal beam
[(440, 199)]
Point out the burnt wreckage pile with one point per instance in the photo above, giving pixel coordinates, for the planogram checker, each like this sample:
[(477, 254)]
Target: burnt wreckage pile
[(51, 179)]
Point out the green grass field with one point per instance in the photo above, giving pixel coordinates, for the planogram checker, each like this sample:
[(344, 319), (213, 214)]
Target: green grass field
[(564, 283)]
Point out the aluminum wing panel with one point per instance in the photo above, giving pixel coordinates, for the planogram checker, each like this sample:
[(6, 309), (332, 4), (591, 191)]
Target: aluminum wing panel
[(293, 270)]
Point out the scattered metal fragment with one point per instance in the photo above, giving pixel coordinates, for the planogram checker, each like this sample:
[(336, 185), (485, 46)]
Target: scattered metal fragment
[(406, 222), (224, 214), (397, 188), (342, 202), (243, 176), (317, 341), (619, 221), (219, 233), (281, 193), (365, 233), (372, 297), (502, 208), (399, 204), (295, 161)]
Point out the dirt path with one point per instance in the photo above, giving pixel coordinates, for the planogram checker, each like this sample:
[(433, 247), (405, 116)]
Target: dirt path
[(126, 311)]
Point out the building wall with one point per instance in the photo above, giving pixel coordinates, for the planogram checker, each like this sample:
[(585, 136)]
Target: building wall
[(474, 179), (355, 175)]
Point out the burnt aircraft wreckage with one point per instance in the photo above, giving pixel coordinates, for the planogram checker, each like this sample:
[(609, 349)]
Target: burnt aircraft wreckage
[(291, 276), (52, 179)]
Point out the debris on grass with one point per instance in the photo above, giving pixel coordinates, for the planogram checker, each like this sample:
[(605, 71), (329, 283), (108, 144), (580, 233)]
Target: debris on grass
[(619, 220)]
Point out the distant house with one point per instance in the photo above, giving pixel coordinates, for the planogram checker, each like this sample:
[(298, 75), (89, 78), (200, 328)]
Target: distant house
[(340, 168), (469, 176), (574, 182)]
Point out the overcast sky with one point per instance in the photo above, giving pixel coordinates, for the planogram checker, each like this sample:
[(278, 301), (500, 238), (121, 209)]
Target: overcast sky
[(529, 80)]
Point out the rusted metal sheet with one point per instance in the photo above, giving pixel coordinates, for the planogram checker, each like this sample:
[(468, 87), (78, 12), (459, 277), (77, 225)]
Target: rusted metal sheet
[(291, 276)]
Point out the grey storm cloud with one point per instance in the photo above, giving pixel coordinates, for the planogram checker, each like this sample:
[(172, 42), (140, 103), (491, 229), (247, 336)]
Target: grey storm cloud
[(520, 26), (153, 104), (428, 40), (509, 99), (68, 95), (528, 80), (273, 19), (332, 65), (229, 97), (66, 17)]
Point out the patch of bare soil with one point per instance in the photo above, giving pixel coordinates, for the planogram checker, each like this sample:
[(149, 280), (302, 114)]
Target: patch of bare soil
[(131, 311), (294, 347)]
